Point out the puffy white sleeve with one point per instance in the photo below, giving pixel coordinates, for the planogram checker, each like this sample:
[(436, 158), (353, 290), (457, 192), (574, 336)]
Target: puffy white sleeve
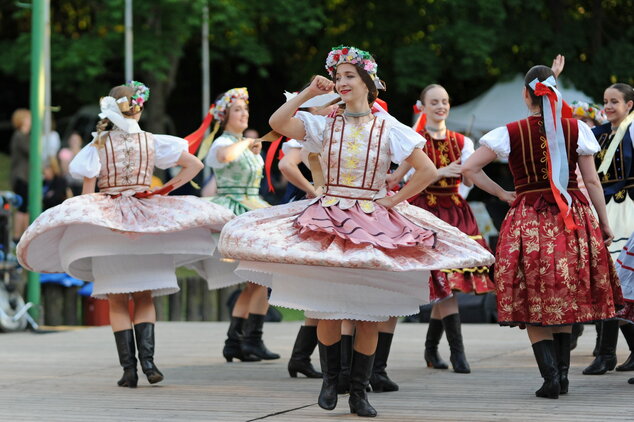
[(291, 144), (168, 150), (212, 156), (586, 142), (467, 149), (498, 141), (403, 141), (86, 163), (315, 127)]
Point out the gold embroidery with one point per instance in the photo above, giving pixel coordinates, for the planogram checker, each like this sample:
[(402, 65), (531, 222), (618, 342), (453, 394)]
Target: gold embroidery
[(455, 199), (620, 194), (443, 182), (431, 199)]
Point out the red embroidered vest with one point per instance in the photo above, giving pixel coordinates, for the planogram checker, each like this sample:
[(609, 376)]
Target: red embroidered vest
[(443, 152), (528, 158)]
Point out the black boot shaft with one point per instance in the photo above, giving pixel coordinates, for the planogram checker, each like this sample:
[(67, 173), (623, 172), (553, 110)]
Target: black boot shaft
[(347, 342), (233, 343), (606, 359), (252, 344), (379, 380), (304, 346), (360, 373), (330, 359), (144, 333), (545, 356), (562, 342), (454, 338), (125, 348), (434, 334)]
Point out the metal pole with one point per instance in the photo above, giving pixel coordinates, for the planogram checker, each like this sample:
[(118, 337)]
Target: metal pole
[(129, 64), (205, 61), (38, 29), (48, 119)]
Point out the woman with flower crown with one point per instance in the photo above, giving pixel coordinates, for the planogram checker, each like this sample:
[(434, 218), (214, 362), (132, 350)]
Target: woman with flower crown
[(353, 252), (126, 239), (553, 267), (237, 167), (615, 164)]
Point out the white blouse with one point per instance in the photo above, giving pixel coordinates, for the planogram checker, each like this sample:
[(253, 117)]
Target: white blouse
[(167, 151), (498, 141), (403, 139)]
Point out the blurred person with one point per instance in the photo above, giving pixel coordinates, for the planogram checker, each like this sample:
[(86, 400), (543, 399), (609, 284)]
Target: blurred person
[(19, 173), (65, 156)]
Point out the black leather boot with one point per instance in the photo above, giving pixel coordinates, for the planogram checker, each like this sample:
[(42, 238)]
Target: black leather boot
[(434, 334), (144, 334), (547, 362), (252, 343), (125, 347), (379, 380), (454, 337), (343, 383), (597, 343), (359, 378), (606, 359), (305, 344), (577, 331), (628, 333), (562, 352), (232, 347), (330, 359), (630, 381)]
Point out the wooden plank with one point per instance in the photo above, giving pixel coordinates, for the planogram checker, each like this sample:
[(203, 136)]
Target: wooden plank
[(71, 376)]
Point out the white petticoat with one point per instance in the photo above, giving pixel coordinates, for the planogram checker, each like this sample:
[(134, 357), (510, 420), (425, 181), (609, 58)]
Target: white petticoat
[(141, 240)]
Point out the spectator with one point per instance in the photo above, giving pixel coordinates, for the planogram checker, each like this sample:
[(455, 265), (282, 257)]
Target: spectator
[(21, 121)]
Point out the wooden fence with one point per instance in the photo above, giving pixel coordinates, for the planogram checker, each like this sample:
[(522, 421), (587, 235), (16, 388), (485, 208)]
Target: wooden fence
[(194, 302)]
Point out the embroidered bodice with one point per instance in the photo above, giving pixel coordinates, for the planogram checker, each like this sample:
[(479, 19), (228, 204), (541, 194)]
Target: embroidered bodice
[(239, 177), (127, 161)]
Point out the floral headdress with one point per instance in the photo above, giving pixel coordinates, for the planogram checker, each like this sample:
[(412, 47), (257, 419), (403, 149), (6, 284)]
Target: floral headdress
[(217, 112), (141, 94), (219, 108), (592, 111), (353, 55)]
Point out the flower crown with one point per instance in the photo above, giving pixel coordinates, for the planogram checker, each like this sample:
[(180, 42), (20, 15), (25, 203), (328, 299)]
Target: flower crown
[(592, 111), (219, 108), (140, 96), (353, 55)]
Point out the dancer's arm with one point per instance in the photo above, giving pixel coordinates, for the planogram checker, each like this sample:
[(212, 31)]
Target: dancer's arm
[(190, 167), (472, 171), (289, 166), (425, 174), (282, 121), (595, 191), (89, 185)]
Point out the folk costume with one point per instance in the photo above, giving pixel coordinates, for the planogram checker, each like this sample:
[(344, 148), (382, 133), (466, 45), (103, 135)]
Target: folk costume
[(615, 163), (125, 238), (238, 186)]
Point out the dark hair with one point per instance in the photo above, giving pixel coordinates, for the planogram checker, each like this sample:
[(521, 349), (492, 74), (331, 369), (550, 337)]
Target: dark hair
[(541, 73), (373, 92), (429, 88), (626, 90)]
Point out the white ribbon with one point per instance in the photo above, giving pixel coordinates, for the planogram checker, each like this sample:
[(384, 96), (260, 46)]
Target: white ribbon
[(555, 137), (110, 110), (614, 143)]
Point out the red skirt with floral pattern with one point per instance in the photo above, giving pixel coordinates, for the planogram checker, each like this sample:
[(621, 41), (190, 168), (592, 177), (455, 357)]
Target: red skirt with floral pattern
[(547, 275), (466, 280)]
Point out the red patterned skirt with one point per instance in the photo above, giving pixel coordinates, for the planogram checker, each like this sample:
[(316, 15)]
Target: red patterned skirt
[(466, 280), (547, 275)]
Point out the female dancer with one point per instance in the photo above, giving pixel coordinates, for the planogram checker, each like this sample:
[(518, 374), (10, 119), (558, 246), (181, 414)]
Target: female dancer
[(625, 269), (353, 253), (552, 268), (127, 239), (447, 150), (237, 167), (615, 164)]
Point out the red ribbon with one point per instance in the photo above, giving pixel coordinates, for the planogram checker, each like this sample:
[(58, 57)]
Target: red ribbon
[(268, 162), (542, 90), (195, 138)]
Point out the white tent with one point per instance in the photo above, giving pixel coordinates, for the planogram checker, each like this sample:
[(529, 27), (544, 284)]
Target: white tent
[(498, 106)]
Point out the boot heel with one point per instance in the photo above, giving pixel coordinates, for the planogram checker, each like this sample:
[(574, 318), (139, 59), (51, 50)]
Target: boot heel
[(293, 374)]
